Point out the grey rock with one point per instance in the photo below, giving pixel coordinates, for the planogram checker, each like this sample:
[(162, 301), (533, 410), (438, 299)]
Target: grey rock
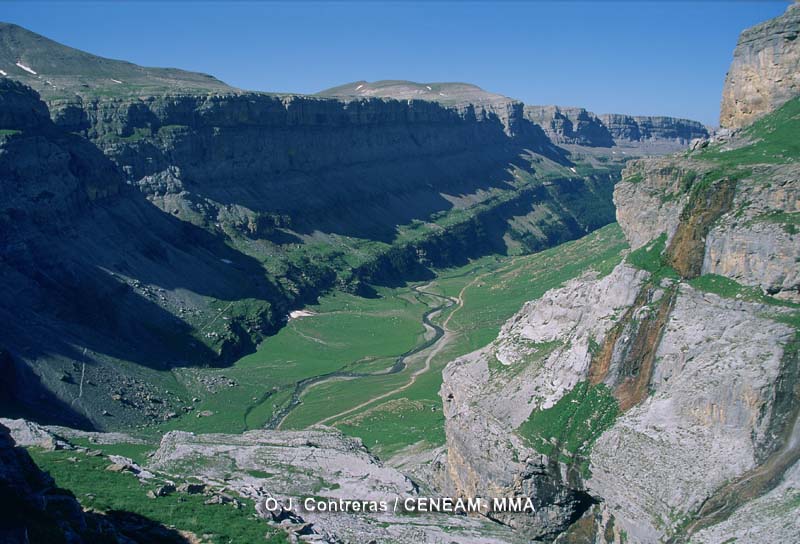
[(27, 433), (765, 72)]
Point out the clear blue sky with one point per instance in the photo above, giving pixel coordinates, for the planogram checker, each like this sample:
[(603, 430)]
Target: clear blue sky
[(667, 58)]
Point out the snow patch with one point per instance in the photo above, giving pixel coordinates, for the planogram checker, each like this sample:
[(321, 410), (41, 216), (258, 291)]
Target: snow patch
[(26, 68), (226, 261), (442, 94), (296, 314), (357, 88), (572, 168), (2, 73), (115, 80), (428, 87)]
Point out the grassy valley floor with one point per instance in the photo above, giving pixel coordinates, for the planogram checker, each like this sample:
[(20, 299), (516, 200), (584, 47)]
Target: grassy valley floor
[(357, 342)]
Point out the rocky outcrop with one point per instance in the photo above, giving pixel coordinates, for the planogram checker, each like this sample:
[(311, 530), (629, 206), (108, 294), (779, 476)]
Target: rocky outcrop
[(541, 354), (752, 242), (756, 243), (698, 380), (322, 465), (764, 72), (704, 422)]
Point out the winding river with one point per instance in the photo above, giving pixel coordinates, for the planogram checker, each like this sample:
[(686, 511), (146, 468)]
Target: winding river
[(399, 365)]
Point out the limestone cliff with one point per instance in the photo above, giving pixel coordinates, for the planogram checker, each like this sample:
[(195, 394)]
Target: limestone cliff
[(765, 72), (571, 125), (638, 134), (658, 403), (636, 128), (641, 398)]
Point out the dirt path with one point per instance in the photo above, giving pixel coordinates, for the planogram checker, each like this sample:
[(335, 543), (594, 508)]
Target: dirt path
[(222, 311)]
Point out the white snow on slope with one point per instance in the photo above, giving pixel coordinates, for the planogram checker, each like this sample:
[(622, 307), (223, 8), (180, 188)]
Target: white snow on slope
[(357, 88), (115, 80), (26, 68), (573, 170), (428, 87), (297, 314), (2, 73)]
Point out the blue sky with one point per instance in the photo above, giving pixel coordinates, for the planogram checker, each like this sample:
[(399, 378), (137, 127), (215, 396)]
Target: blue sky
[(665, 58)]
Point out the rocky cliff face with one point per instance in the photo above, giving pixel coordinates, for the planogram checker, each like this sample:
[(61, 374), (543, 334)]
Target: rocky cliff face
[(571, 125), (181, 148), (462, 97), (630, 128), (658, 403), (651, 389), (82, 254), (764, 72), (654, 135)]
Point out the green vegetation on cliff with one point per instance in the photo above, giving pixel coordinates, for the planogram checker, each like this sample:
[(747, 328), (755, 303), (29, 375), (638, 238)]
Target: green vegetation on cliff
[(774, 139), (571, 426)]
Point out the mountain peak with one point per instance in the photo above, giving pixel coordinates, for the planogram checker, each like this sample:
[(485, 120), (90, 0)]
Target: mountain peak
[(446, 92)]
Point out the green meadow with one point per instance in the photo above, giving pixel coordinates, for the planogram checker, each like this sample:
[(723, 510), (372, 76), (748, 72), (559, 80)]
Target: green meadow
[(365, 336)]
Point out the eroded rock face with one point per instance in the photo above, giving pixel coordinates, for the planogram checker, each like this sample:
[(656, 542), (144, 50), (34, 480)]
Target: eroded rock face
[(571, 125), (704, 423), (765, 72), (540, 355), (749, 245), (635, 128), (708, 418), (770, 518), (644, 209)]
